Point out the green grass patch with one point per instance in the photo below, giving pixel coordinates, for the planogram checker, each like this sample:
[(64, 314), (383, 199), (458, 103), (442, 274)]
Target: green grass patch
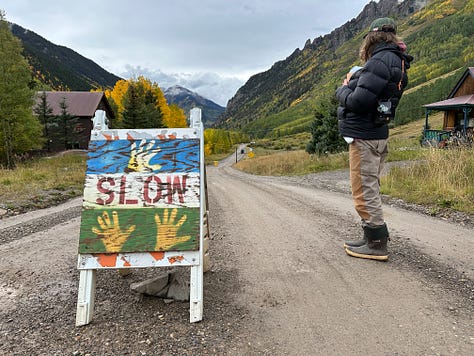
[(38, 181), (299, 162)]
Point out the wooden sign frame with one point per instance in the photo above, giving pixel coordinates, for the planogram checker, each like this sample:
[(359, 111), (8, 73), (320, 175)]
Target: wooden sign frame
[(160, 190)]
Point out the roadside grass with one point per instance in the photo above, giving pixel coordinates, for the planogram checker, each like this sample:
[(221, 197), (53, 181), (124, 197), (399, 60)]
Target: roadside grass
[(291, 142), (441, 179), (39, 182), (290, 163), (215, 157)]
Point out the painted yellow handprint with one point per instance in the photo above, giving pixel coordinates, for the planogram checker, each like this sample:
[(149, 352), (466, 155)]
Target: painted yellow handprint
[(141, 155), (168, 230), (110, 233)]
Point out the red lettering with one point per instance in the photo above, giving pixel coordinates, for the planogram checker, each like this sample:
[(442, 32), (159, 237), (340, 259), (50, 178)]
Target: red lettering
[(153, 190), (105, 190), (123, 183), (176, 187), (170, 189), (180, 187), (146, 190), (123, 186)]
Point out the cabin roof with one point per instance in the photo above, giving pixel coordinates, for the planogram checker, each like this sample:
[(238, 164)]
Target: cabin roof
[(468, 72), (453, 103), (79, 103)]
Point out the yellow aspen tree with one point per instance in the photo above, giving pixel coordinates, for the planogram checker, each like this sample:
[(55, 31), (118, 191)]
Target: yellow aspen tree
[(207, 149), (116, 95), (177, 117), (162, 104), (145, 83), (209, 141)]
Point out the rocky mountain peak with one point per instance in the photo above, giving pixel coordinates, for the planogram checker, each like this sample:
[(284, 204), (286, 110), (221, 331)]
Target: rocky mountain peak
[(187, 99)]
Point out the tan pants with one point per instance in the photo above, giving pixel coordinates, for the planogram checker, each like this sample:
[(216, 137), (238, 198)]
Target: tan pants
[(366, 158)]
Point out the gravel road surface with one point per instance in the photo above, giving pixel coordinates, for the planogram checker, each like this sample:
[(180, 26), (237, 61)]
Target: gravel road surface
[(280, 282)]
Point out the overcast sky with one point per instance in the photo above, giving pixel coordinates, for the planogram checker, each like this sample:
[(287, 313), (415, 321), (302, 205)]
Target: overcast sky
[(208, 46)]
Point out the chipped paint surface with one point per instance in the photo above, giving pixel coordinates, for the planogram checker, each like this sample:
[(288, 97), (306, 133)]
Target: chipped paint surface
[(141, 199), (138, 260), (174, 259), (149, 134), (139, 230), (137, 190), (144, 156)]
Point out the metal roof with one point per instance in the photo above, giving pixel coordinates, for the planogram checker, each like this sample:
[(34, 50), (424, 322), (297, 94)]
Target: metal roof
[(79, 103), (453, 103), (468, 72)]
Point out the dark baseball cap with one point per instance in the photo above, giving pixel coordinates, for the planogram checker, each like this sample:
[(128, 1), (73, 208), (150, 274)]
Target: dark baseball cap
[(384, 24)]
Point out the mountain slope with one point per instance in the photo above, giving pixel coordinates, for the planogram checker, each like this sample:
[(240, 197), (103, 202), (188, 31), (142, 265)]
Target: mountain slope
[(60, 67), (186, 100), (283, 99)]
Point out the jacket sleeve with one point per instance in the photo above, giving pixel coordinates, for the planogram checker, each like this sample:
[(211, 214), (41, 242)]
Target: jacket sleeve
[(373, 79)]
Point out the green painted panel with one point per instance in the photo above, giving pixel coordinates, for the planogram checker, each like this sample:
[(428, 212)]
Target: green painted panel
[(139, 230)]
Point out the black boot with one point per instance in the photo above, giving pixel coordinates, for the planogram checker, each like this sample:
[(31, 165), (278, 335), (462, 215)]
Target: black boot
[(376, 246), (356, 243)]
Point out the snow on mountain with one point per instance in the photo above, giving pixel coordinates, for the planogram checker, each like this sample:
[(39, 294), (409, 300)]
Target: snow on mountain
[(187, 99)]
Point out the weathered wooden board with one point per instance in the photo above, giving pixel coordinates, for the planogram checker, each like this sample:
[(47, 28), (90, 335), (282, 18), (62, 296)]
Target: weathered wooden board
[(138, 259), (144, 156), (139, 230), (135, 190), (148, 134), (135, 183)]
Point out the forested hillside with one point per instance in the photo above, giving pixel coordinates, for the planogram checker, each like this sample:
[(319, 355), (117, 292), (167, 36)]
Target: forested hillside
[(283, 100), (59, 67)]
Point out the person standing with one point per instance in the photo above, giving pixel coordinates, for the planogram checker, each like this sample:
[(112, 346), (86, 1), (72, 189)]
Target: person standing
[(368, 99)]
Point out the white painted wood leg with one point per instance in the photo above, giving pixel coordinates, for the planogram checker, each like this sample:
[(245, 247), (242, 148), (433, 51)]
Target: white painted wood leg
[(86, 297), (196, 293)]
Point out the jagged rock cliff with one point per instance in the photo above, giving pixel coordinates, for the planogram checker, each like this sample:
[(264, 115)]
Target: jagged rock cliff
[(384, 8)]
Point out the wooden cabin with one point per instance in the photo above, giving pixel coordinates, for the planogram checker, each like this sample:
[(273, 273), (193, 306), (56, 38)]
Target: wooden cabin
[(81, 105), (458, 123)]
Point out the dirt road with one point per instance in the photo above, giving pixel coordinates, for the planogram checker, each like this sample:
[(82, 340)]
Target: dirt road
[(280, 284), (313, 299)]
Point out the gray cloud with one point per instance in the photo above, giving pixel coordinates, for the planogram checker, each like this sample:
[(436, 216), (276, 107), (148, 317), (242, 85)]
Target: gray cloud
[(209, 85)]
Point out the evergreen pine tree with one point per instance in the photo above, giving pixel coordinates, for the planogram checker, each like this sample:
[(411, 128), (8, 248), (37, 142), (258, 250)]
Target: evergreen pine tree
[(44, 113), (325, 137), (20, 130), (140, 106), (152, 113), (67, 127), (133, 109)]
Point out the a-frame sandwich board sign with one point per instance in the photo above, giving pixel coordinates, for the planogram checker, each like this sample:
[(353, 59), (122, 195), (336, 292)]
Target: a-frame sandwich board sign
[(144, 205)]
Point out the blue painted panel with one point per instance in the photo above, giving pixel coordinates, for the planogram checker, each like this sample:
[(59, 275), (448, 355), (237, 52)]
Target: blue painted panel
[(147, 156)]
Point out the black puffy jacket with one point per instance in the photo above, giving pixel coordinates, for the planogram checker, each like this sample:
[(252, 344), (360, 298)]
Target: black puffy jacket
[(377, 81)]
